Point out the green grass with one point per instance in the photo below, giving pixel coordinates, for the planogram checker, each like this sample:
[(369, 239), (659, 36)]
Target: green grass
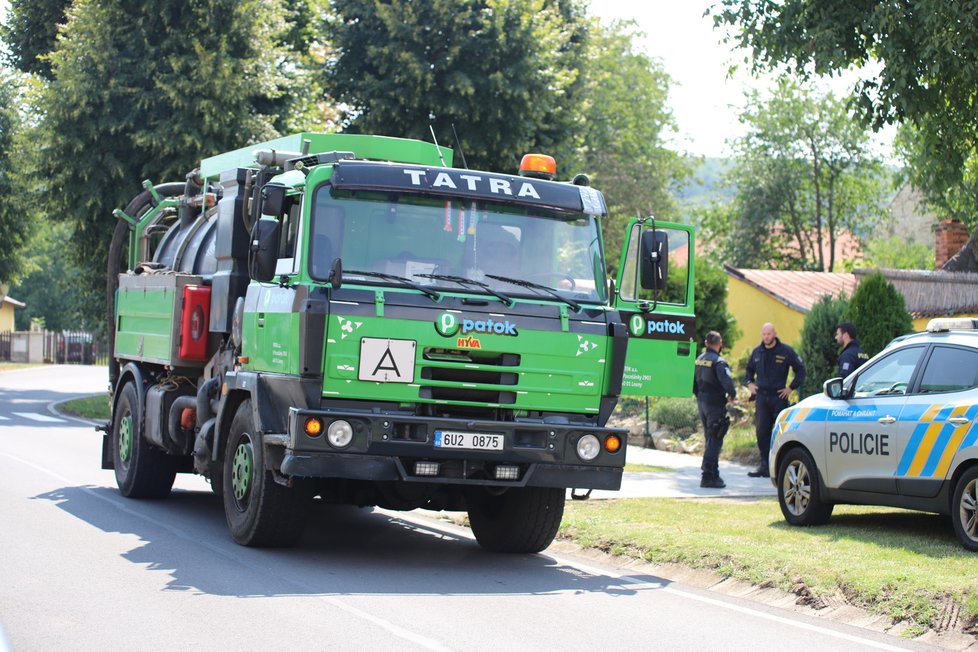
[(12, 366), (906, 565), (648, 468), (91, 407)]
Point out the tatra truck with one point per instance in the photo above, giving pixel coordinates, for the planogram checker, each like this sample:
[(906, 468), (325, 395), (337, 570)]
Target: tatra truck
[(349, 319)]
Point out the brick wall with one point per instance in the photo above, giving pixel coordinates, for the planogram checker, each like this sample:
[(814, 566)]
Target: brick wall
[(950, 236)]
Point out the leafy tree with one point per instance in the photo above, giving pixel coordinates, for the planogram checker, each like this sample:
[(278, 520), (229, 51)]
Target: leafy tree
[(895, 252), (803, 176), (879, 312), (30, 33), (504, 72), (710, 306), (15, 220), (818, 346), (144, 95)]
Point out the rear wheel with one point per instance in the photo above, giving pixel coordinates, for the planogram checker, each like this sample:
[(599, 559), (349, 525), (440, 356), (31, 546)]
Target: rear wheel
[(523, 520), (964, 509), (141, 470), (260, 512), (799, 490)]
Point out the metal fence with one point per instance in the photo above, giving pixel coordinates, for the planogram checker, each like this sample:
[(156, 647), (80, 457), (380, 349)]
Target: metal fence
[(49, 347)]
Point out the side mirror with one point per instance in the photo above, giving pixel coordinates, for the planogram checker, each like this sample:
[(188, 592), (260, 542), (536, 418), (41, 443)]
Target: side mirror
[(833, 388), (335, 279), (264, 249), (273, 200), (654, 259)]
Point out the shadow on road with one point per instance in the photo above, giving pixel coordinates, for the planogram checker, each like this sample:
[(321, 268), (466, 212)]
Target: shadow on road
[(345, 551)]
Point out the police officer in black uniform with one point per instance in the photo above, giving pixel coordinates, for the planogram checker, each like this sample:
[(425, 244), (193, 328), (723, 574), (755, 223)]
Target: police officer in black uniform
[(852, 356), (767, 379), (713, 387)]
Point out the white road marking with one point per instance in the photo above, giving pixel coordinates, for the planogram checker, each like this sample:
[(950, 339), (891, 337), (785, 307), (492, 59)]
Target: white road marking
[(37, 416), (3, 418)]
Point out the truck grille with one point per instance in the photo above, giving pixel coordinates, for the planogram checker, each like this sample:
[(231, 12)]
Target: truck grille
[(462, 375)]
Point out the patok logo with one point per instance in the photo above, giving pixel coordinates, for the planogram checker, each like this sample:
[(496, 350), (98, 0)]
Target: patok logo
[(637, 325), (448, 325)]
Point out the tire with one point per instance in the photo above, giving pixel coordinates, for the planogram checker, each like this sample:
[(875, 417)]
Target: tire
[(800, 491), (141, 470), (260, 512), (964, 509), (521, 520)]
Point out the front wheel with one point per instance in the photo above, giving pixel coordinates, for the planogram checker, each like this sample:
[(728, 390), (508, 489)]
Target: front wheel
[(523, 520), (964, 509), (799, 490), (141, 470), (260, 512)]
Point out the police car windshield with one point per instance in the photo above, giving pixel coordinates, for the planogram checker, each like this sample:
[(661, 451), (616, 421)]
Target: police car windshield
[(430, 240)]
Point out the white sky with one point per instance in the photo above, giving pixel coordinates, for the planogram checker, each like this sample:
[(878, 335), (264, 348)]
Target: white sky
[(704, 101)]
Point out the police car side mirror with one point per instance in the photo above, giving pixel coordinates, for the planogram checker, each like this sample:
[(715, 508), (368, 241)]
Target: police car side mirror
[(833, 388)]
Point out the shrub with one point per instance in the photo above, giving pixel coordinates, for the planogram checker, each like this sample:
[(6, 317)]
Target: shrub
[(711, 304), (879, 313), (818, 347), (680, 415)]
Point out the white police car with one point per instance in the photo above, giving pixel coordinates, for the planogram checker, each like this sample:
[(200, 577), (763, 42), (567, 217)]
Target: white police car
[(900, 431)]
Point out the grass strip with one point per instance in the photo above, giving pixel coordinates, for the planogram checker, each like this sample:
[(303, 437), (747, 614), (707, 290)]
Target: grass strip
[(90, 407), (906, 565), (648, 468)]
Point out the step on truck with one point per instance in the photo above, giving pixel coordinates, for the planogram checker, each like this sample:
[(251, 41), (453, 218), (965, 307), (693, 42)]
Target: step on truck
[(348, 319)]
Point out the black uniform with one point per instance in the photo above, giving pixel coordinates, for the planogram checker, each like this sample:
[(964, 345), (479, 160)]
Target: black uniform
[(768, 368), (712, 384), (851, 358)]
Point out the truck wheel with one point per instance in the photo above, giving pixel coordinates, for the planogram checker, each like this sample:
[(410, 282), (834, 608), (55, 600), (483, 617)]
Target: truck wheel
[(260, 512), (521, 520), (141, 470), (964, 509), (799, 491)]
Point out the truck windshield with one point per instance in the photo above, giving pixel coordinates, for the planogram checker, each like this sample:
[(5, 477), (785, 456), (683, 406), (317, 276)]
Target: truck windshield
[(430, 240)]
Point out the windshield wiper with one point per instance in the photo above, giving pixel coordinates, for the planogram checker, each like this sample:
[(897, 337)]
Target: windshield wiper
[(461, 280), (406, 282), (536, 286)]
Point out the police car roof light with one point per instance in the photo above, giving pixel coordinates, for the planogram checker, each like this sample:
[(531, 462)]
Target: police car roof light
[(952, 324)]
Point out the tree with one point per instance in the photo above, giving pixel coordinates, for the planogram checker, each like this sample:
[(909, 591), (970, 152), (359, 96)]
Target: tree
[(879, 312), (30, 33), (504, 72), (819, 349), (710, 288), (145, 95), (15, 220), (803, 176), (895, 252), (918, 62)]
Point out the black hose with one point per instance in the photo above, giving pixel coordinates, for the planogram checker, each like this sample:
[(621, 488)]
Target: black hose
[(204, 411), (175, 430)]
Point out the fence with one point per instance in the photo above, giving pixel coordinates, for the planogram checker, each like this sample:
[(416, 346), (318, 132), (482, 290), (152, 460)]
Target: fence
[(49, 347)]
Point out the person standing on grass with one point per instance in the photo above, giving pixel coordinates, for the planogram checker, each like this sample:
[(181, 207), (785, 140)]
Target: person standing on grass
[(713, 387), (767, 380)]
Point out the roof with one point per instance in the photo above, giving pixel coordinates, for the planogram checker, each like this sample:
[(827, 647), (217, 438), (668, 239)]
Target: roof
[(933, 294), (797, 290), (14, 302)]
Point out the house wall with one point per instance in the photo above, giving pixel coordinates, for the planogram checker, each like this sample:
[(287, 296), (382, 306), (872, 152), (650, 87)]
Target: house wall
[(6, 317), (920, 323), (752, 309)]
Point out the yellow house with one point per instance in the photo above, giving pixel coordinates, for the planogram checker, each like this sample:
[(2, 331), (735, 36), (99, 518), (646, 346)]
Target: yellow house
[(7, 306), (756, 296)]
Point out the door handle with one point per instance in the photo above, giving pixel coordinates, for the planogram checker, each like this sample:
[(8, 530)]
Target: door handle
[(959, 421), (887, 420)]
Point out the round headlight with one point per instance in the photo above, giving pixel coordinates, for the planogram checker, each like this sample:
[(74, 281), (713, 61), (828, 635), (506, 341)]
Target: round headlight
[(588, 447), (340, 433)]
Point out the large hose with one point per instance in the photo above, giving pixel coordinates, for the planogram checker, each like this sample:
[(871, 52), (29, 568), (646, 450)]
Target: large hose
[(120, 238)]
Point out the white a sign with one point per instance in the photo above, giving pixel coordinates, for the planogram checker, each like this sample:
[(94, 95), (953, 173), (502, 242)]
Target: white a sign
[(387, 361)]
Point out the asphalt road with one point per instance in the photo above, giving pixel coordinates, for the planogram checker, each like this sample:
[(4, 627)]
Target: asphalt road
[(82, 568)]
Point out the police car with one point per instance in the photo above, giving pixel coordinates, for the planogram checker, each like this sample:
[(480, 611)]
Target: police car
[(901, 431)]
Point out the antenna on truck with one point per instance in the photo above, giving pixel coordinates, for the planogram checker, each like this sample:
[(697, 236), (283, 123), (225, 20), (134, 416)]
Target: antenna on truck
[(432, 128), (458, 144)]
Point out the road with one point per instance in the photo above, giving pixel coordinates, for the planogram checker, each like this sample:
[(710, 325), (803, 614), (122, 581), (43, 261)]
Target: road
[(82, 568)]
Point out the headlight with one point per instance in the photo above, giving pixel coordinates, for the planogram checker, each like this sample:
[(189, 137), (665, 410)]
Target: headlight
[(340, 433), (588, 447)]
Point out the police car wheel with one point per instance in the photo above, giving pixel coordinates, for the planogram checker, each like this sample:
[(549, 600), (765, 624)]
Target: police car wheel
[(964, 509), (799, 490)]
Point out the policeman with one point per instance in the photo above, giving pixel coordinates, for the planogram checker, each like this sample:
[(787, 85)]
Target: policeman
[(713, 387), (767, 380), (852, 356)]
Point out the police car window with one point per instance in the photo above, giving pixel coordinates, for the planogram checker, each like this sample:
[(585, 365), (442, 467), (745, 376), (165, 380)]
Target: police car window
[(950, 369), (889, 375)]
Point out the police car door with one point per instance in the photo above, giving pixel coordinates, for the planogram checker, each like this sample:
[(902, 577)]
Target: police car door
[(864, 434), (655, 300), (940, 418)]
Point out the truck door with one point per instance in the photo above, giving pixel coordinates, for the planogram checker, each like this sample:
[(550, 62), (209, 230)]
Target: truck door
[(655, 301)]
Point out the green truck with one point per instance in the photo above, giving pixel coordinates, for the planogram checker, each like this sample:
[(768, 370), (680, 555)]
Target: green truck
[(349, 319)]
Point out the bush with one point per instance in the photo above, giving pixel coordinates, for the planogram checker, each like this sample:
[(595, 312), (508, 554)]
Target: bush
[(711, 304), (879, 313), (680, 415), (818, 347)]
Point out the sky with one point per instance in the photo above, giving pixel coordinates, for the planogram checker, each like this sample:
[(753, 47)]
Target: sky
[(705, 102)]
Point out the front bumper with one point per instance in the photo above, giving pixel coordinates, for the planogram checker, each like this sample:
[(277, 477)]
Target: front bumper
[(388, 447)]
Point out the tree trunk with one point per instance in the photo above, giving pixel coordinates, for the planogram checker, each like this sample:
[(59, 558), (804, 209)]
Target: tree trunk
[(965, 260)]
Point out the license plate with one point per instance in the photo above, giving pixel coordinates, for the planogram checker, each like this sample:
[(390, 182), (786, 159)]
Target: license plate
[(471, 440)]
